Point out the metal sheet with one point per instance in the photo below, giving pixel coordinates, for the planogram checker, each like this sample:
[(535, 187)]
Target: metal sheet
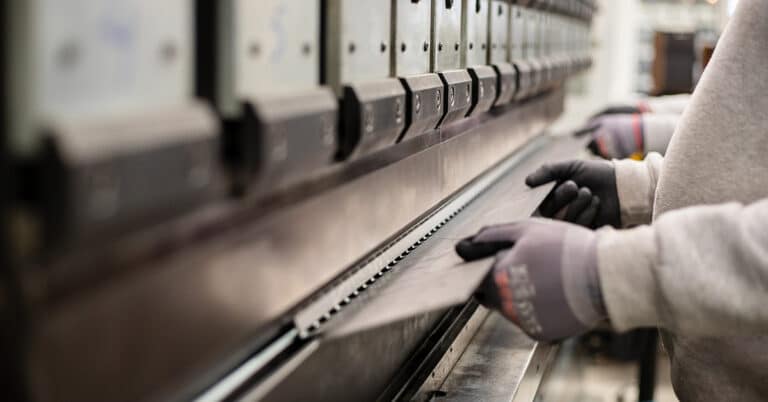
[(411, 32), (475, 35), (446, 35), (499, 31), (433, 277), (418, 289)]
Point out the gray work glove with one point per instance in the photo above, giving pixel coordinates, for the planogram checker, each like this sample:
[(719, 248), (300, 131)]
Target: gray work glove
[(544, 279), (585, 193), (618, 136)]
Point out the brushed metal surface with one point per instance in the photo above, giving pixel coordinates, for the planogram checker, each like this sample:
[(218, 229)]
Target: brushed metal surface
[(266, 47), (499, 32), (358, 41), (284, 139), (458, 95), (485, 83), (424, 103), (95, 182), (446, 35), (411, 37), (501, 364), (373, 117), (474, 33), (516, 33), (443, 369), (192, 302), (94, 58), (507, 85), (415, 290)]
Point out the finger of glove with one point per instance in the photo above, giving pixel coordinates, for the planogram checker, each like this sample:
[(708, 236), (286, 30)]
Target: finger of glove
[(561, 196), (496, 290), (577, 207), (489, 241), (470, 250), (590, 128), (617, 110), (556, 172), (594, 147), (587, 217)]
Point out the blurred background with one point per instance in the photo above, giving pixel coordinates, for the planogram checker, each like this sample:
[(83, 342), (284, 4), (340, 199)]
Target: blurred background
[(647, 48)]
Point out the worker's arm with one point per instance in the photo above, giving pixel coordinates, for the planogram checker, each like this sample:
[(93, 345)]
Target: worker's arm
[(667, 104), (699, 271)]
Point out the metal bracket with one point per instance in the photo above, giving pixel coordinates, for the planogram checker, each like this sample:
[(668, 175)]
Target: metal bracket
[(373, 117), (546, 74), (424, 103), (104, 177), (484, 89), (525, 80), (458, 91), (507, 83), (285, 138)]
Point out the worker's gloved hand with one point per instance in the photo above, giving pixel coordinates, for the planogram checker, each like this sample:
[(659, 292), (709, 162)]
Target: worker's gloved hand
[(585, 193), (545, 276), (618, 136)]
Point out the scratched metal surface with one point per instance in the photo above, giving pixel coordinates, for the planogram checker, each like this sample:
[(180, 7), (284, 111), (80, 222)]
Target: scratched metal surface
[(500, 364)]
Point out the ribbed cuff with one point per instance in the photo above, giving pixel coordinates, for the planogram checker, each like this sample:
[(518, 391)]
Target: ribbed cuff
[(636, 189), (625, 268)]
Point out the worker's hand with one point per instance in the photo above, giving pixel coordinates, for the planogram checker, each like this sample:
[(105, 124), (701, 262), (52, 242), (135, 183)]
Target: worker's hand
[(585, 193), (618, 136), (545, 276)]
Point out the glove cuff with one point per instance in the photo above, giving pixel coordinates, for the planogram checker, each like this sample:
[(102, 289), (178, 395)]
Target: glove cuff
[(636, 189), (625, 261)]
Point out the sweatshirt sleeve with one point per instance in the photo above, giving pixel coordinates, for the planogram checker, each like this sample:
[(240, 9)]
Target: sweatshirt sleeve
[(657, 131), (636, 186), (668, 104), (701, 271)]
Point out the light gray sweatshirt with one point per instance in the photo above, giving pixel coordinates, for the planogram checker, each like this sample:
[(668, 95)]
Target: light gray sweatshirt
[(700, 270)]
